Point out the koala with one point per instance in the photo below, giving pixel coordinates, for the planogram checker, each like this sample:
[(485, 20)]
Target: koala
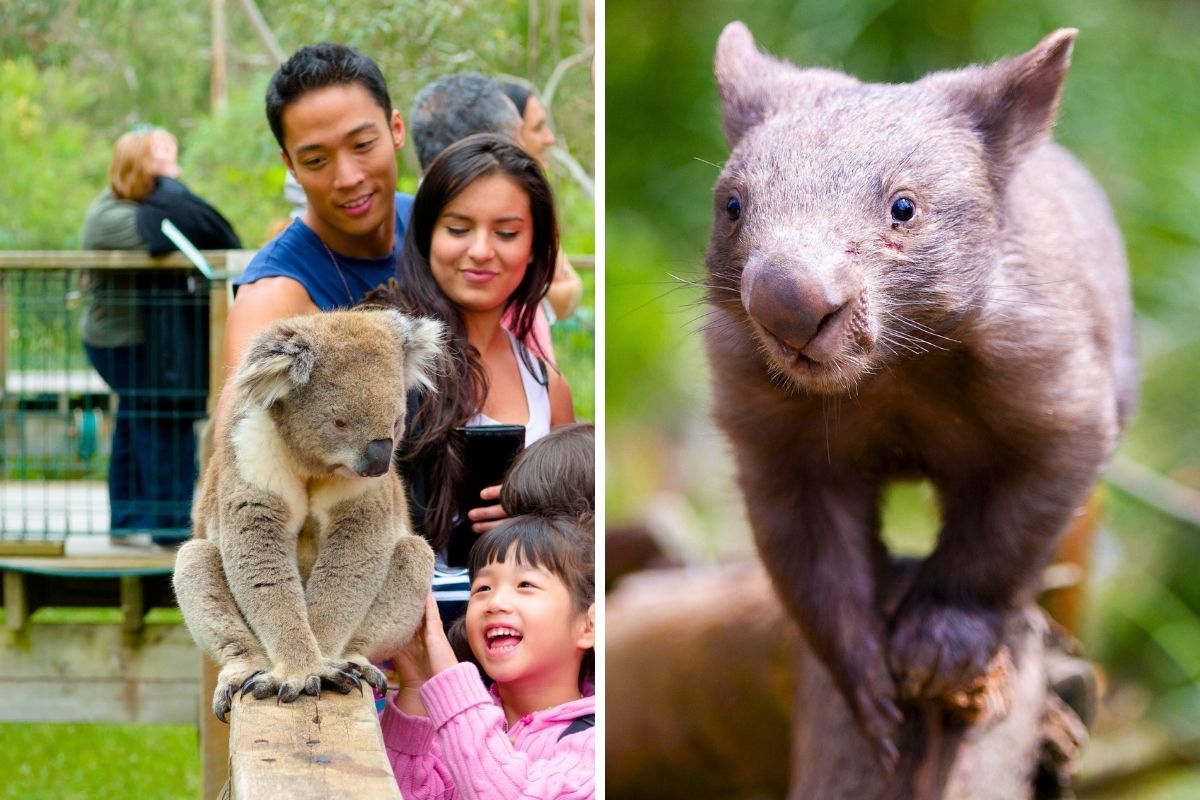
[(303, 564), (911, 282)]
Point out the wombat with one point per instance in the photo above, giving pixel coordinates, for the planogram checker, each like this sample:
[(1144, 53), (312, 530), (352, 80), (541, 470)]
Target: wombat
[(911, 281)]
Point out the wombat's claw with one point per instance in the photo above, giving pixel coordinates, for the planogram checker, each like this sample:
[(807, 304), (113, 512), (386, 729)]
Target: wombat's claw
[(889, 754)]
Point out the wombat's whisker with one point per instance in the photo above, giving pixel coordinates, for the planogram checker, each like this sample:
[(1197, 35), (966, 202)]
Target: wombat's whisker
[(705, 161)]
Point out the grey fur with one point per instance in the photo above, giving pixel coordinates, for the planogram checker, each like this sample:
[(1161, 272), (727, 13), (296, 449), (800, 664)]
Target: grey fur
[(456, 106), (984, 344), (304, 565)]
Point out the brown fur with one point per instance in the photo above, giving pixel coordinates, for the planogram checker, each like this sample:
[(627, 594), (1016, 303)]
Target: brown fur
[(985, 345)]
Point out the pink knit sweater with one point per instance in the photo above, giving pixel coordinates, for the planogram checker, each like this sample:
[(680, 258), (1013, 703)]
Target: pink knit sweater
[(463, 750)]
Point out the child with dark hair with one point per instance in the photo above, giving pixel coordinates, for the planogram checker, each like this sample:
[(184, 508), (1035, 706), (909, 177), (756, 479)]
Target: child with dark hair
[(555, 475), (530, 624)]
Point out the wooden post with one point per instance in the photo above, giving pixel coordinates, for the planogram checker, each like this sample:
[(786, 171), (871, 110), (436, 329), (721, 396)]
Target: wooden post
[(313, 749), (16, 602), (133, 607), (214, 736)]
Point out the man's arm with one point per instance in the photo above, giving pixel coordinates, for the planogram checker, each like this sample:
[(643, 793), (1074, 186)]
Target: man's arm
[(256, 306)]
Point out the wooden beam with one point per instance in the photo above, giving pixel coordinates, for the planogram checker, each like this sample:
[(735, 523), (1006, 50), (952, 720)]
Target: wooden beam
[(79, 672), (30, 547), (221, 260), (312, 749)]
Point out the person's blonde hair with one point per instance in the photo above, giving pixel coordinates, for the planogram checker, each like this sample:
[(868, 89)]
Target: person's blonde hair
[(129, 173)]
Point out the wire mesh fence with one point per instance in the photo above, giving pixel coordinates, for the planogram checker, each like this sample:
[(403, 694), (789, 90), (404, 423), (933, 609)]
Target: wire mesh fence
[(104, 380)]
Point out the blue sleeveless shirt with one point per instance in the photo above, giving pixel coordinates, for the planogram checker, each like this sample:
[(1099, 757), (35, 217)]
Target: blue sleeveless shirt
[(299, 254)]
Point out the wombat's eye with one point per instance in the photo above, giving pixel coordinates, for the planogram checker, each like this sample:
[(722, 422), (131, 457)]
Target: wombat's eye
[(341, 424), (903, 209), (733, 209)]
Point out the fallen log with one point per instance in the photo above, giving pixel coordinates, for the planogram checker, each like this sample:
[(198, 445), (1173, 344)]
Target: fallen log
[(712, 693)]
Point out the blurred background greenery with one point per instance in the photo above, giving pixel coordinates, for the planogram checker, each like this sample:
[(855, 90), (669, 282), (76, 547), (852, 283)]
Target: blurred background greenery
[(76, 74), (1131, 111)]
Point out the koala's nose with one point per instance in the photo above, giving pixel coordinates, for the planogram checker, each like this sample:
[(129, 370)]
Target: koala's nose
[(377, 460)]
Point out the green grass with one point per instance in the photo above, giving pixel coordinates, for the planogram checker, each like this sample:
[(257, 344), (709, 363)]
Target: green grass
[(85, 761), (81, 761)]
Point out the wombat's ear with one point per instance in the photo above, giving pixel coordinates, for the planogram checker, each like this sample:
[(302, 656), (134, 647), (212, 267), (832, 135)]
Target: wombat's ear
[(754, 85), (424, 348), (279, 360), (744, 80), (1013, 102)]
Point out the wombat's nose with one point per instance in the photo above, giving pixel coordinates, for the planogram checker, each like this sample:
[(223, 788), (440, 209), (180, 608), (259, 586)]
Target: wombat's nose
[(377, 460), (800, 311)]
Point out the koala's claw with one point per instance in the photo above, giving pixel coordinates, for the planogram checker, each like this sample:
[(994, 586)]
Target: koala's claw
[(251, 682), (376, 679), (343, 680), (223, 703)]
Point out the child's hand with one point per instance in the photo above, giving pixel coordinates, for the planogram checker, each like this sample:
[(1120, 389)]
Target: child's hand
[(488, 517), (428, 653)]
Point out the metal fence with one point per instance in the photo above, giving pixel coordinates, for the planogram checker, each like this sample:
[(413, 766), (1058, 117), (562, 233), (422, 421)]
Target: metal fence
[(109, 361)]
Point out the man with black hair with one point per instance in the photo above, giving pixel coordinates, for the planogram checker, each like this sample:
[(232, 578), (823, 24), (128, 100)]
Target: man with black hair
[(329, 108)]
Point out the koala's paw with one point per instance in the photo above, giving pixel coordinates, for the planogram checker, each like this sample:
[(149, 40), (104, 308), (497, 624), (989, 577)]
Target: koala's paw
[(360, 666), (951, 656), (233, 678), (340, 674)]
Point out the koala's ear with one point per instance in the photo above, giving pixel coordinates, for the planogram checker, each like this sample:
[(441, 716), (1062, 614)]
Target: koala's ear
[(1012, 103), (754, 86), (424, 348), (279, 360)]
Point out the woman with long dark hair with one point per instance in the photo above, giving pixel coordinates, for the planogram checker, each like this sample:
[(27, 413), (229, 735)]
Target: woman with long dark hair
[(480, 247)]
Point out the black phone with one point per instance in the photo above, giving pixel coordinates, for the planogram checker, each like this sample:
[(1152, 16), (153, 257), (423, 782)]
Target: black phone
[(488, 451)]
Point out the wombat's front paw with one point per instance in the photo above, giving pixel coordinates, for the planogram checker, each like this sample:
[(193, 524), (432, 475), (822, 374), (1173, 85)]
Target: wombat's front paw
[(872, 701), (950, 655)]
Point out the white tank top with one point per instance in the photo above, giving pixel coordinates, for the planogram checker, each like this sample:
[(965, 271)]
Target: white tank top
[(537, 399)]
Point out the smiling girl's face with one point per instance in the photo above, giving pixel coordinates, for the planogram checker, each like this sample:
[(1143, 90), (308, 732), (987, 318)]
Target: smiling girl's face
[(523, 626), (481, 244)]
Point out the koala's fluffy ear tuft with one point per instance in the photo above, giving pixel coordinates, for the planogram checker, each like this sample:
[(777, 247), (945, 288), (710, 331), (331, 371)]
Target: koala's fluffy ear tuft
[(424, 348), (1012, 103), (279, 360)]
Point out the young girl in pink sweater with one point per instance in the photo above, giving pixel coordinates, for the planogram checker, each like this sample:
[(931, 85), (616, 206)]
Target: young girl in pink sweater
[(530, 625)]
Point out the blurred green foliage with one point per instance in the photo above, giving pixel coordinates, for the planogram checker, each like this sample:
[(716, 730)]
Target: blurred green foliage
[(1131, 111)]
